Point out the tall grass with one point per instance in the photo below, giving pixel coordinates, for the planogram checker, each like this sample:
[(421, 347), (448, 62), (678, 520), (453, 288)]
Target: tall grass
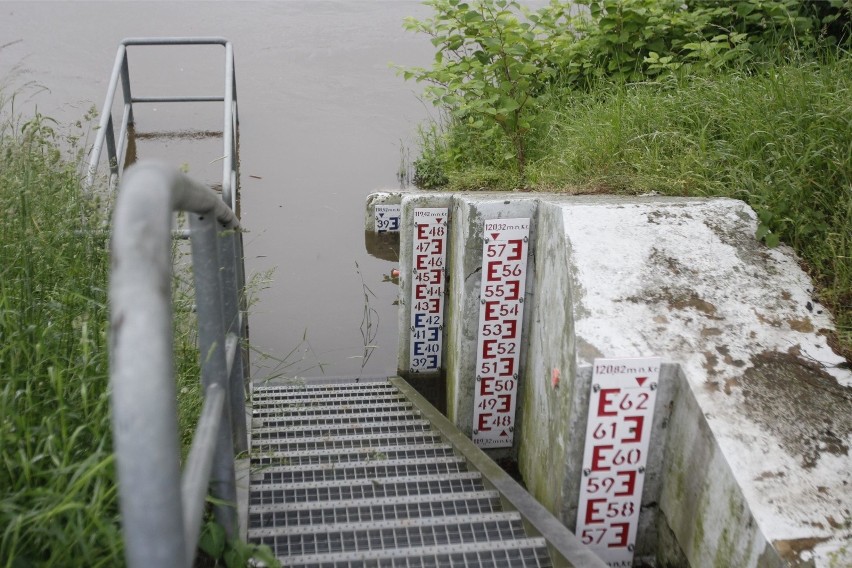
[(58, 504), (779, 138), (58, 498)]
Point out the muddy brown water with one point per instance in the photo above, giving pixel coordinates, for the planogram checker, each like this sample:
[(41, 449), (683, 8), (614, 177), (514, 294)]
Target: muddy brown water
[(322, 120)]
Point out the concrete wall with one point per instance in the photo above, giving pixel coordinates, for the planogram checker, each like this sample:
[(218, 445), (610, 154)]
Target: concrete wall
[(463, 304), (749, 461)]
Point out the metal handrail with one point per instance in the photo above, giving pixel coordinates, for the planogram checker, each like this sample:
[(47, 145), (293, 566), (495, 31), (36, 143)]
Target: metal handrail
[(116, 148), (116, 151), (162, 512)]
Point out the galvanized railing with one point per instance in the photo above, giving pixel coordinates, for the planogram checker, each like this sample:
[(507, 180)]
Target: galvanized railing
[(116, 148), (162, 510)]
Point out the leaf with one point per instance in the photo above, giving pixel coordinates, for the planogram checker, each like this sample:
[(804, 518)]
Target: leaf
[(744, 9), (264, 554), (212, 540), (772, 240), (236, 557), (508, 105)]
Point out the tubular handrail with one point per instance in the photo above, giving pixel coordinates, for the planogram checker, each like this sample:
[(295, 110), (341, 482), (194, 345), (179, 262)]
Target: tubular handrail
[(162, 512), (116, 148)]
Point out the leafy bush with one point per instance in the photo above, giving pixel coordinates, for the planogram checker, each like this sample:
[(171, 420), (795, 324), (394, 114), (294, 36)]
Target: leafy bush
[(747, 99), (496, 63), (487, 70)]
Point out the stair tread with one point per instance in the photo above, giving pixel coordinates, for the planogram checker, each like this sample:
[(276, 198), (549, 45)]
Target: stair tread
[(336, 419), (363, 511), (364, 526), (405, 499), (376, 451), (366, 481), (327, 429), (355, 440), (429, 485), (358, 470), (461, 554)]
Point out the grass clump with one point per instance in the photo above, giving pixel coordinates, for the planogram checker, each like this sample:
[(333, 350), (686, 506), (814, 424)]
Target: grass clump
[(58, 492), (59, 502)]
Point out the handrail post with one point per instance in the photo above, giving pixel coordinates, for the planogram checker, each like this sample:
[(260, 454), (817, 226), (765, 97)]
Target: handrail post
[(111, 153), (207, 270), (106, 115), (243, 306), (231, 309), (228, 192), (125, 89)]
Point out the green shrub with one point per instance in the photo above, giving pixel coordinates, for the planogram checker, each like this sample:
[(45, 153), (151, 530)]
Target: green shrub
[(495, 62), (487, 71)]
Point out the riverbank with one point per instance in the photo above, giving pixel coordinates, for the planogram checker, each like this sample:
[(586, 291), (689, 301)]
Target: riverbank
[(774, 131)]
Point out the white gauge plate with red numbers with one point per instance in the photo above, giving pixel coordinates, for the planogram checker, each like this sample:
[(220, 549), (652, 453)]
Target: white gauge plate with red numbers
[(501, 314), (428, 280), (387, 218), (621, 411)]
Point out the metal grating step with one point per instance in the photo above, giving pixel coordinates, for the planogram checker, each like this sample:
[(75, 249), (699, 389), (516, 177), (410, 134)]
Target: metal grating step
[(339, 392), (377, 454), (320, 420), (302, 387), (347, 442), (363, 429), (525, 553), (326, 409), (362, 511), (385, 535), (358, 470), (346, 475), (372, 489), (343, 402)]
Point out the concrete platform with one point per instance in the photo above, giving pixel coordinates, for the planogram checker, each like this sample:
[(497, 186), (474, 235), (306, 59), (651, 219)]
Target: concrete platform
[(749, 461)]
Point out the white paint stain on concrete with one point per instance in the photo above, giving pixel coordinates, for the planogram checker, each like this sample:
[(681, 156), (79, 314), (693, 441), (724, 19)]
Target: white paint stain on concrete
[(685, 280)]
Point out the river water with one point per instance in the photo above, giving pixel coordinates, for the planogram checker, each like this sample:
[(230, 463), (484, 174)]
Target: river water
[(323, 122)]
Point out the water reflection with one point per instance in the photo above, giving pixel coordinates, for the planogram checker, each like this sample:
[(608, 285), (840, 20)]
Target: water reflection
[(384, 246)]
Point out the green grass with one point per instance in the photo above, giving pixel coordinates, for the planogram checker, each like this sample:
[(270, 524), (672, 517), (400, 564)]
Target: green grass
[(59, 502), (780, 139), (58, 495)]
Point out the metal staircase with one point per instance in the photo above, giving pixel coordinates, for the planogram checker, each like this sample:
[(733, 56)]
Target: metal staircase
[(369, 474), (343, 473)]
